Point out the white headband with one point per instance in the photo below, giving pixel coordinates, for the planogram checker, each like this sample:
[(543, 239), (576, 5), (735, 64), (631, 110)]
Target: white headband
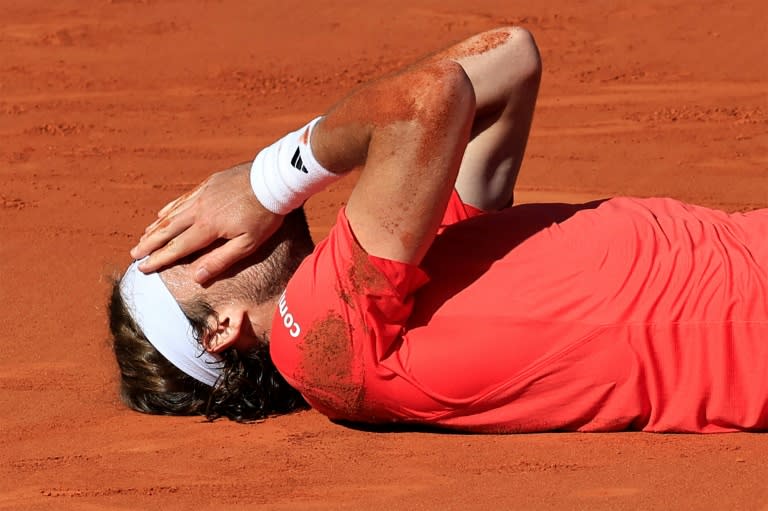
[(164, 324)]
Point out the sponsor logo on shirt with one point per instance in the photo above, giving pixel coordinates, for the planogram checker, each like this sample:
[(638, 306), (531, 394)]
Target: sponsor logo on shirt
[(293, 327)]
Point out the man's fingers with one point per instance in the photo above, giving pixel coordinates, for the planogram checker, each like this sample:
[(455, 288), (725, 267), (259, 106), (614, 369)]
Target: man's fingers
[(160, 233), (151, 227), (223, 257), (187, 242), (183, 200), (168, 207)]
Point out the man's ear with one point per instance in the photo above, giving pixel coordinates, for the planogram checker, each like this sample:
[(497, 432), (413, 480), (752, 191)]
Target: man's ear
[(231, 318)]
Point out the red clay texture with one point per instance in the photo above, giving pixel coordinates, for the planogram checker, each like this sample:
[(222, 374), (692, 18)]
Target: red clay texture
[(111, 108)]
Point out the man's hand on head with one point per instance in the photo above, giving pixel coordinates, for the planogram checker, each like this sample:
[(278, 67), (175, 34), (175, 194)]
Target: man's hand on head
[(222, 207)]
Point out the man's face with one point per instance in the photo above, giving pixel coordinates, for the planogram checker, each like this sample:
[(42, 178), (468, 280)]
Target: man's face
[(237, 297), (246, 295)]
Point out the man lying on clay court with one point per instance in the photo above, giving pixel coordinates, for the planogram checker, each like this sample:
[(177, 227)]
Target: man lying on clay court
[(433, 301)]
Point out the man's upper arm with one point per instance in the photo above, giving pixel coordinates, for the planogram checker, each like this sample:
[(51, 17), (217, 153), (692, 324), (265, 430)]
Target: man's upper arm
[(413, 157)]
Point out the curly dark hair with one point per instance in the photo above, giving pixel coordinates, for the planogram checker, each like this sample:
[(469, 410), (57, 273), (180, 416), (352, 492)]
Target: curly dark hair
[(249, 388)]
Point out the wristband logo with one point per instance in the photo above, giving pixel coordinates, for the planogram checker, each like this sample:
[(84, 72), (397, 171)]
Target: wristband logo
[(293, 327), (297, 162)]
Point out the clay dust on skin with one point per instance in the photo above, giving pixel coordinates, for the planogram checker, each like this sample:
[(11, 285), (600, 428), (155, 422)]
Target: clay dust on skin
[(477, 45)]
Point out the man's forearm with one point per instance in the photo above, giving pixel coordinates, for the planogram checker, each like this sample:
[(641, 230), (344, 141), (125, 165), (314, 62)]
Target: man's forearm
[(408, 132)]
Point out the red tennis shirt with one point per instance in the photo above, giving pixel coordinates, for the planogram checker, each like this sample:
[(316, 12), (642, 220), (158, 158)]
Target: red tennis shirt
[(645, 314)]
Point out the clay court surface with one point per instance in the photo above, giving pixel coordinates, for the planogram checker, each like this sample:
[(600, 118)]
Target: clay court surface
[(108, 109)]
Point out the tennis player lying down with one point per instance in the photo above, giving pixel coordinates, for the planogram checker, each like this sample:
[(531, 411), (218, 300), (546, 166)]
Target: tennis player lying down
[(432, 301)]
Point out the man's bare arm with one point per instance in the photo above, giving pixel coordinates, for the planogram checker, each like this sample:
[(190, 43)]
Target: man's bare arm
[(409, 132), (504, 69)]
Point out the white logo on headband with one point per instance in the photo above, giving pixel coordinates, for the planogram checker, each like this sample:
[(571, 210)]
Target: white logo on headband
[(164, 324)]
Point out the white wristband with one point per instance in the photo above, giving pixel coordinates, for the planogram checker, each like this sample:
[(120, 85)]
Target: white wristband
[(286, 174)]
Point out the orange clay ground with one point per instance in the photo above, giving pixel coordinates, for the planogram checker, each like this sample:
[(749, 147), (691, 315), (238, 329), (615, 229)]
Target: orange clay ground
[(108, 109)]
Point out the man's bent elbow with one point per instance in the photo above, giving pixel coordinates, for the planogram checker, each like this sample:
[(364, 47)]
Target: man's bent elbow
[(444, 93), (523, 54), (530, 57)]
